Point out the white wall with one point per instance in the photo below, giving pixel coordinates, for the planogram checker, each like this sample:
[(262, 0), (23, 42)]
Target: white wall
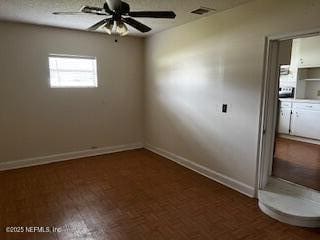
[(37, 121), (194, 68)]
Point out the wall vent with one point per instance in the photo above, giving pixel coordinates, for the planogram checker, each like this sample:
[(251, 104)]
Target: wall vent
[(202, 10)]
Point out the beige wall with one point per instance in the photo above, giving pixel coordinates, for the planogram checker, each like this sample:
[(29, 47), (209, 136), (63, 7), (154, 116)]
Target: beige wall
[(191, 71), (38, 121), (194, 68)]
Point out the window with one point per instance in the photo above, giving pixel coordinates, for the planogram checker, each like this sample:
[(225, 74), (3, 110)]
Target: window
[(72, 71)]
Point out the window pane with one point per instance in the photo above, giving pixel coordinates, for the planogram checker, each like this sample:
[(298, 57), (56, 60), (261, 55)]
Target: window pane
[(72, 71)]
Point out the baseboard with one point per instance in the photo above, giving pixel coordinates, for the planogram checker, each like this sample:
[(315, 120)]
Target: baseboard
[(221, 178), (218, 177), (67, 156), (299, 139)]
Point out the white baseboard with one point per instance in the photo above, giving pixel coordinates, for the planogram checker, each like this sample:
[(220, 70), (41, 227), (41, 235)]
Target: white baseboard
[(225, 180), (67, 156), (218, 177)]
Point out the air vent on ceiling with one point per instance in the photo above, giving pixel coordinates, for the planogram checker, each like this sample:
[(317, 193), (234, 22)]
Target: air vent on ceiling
[(202, 10)]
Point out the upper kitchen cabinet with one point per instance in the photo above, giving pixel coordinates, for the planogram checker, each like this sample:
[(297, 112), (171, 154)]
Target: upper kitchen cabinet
[(309, 52)]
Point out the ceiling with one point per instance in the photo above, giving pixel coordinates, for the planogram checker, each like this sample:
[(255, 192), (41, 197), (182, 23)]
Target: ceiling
[(39, 12)]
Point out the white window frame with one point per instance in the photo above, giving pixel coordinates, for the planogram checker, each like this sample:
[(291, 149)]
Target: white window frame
[(95, 82)]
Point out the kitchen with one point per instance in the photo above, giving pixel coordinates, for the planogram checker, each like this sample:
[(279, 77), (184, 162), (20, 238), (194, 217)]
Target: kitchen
[(297, 145)]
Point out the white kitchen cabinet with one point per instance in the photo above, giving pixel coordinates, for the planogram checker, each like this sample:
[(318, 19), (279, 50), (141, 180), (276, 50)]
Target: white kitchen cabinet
[(305, 120), (284, 120), (309, 52)]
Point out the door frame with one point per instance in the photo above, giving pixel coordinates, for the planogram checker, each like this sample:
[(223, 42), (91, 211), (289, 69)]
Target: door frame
[(269, 102)]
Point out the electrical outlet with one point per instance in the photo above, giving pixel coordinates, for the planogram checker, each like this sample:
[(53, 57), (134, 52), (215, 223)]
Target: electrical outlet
[(318, 93)]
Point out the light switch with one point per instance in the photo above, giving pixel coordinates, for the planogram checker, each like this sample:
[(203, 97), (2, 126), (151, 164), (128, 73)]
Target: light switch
[(224, 108)]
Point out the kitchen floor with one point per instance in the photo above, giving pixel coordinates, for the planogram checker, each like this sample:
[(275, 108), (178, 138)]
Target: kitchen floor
[(297, 162), (131, 195)]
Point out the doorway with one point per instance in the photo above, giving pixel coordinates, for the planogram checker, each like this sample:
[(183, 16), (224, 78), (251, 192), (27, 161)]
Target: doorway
[(290, 143), (289, 172), (297, 138)]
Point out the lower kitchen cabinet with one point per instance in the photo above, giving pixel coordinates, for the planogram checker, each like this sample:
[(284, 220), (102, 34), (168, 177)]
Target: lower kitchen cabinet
[(284, 120), (305, 120)]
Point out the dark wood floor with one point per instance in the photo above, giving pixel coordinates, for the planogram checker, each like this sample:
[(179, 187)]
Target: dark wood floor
[(131, 195), (297, 162)]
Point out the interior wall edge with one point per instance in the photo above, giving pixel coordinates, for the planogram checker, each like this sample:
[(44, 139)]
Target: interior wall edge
[(6, 21), (209, 173), (28, 162)]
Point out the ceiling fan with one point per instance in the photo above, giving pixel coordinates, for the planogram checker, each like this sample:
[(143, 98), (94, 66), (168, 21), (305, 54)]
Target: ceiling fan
[(118, 14)]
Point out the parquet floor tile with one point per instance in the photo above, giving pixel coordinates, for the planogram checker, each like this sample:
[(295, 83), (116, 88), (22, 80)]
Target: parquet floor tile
[(297, 162)]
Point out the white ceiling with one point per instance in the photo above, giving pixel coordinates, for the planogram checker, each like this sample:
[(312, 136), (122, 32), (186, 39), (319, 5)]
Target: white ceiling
[(39, 11)]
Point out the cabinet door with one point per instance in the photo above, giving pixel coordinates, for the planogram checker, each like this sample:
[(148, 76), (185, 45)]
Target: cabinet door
[(284, 120), (305, 123), (309, 52)]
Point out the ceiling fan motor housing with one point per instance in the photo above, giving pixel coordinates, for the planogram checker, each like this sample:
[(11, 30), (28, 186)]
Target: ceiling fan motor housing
[(123, 8)]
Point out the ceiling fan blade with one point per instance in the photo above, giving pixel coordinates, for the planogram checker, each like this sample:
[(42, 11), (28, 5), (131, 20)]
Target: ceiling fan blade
[(98, 24), (89, 8), (81, 13), (137, 25), (94, 10), (84, 10), (153, 14), (68, 13)]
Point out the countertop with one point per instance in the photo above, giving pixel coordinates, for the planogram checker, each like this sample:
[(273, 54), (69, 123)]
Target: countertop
[(299, 100)]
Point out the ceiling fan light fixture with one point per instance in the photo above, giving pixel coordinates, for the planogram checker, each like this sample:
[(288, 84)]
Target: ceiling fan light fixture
[(118, 17), (108, 27), (122, 29)]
